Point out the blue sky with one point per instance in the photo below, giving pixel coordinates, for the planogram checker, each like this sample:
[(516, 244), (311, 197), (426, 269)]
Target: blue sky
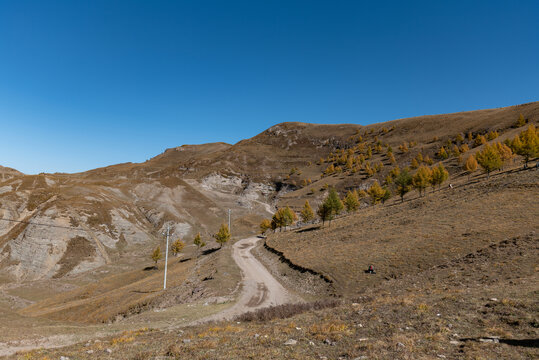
[(85, 84)]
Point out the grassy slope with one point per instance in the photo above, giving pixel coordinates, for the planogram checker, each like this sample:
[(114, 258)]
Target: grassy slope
[(446, 310), (422, 232)]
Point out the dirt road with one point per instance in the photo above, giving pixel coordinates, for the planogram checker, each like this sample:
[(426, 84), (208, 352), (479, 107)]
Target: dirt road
[(260, 289)]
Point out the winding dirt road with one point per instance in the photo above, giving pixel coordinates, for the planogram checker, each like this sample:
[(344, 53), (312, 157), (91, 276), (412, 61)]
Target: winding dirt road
[(260, 289)]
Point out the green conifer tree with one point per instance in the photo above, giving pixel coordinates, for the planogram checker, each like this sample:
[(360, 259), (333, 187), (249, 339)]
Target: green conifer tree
[(404, 183)]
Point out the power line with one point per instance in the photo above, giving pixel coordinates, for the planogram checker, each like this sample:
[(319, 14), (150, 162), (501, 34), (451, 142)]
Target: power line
[(41, 224)]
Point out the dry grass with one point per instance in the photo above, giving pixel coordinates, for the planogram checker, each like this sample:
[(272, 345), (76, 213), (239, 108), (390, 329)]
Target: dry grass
[(287, 310), (422, 233)]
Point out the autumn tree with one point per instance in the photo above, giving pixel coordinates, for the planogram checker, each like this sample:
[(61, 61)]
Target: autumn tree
[(404, 183), (480, 140), (492, 135), (439, 175), (351, 201), (177, 246), (198, 241), (443, 153), (421, 179), (223, 235), (284, 217), (265, 225), (392, 158), (386, 195), (376, 192), (156, 255), (456, 150), (470, 165), (505, 153), (520, 121), (489, 159), (331, 206), (528, 145), (307, 213), (335, 202), (324, 212)]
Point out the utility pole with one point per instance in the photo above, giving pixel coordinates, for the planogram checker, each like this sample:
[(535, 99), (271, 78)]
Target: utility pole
[(166, 260), (229, 229)]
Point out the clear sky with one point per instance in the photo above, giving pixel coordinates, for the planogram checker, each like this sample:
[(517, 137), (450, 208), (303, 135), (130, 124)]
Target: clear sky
[(85, 84)]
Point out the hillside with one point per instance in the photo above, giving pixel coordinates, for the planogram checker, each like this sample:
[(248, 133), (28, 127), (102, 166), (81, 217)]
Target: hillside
[(456, 278), (74, 248)]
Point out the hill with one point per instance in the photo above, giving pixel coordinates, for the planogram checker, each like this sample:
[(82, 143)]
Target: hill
[(73, 247)]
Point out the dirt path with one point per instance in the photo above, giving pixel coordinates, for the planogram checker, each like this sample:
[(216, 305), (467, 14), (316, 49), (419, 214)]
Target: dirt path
[(260, 289)]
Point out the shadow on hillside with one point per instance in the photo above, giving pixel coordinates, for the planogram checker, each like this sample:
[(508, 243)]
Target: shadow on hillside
[(308, 229), (209, 251), (150, 268), (532, 343)]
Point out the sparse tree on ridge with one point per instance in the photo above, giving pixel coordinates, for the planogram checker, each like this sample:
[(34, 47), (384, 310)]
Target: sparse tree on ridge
[(223, 235), (404, 183), (470, 165), (307, 213), (421, 179), (351, 201), (177, 247), (156, 255)]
